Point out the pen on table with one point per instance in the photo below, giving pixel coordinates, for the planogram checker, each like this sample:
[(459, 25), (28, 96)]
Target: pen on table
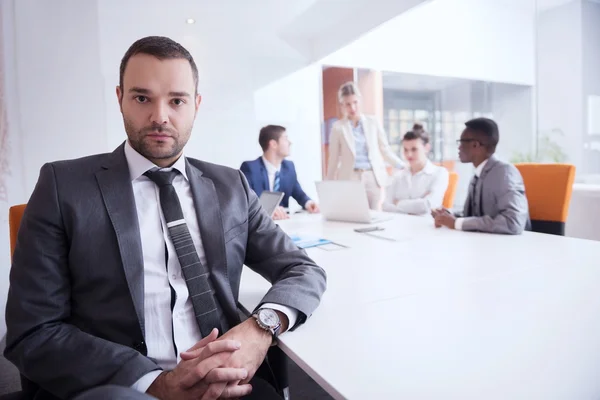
[(379, 237)]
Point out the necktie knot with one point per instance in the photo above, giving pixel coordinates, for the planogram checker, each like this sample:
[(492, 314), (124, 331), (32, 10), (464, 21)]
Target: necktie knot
[(162, 178)]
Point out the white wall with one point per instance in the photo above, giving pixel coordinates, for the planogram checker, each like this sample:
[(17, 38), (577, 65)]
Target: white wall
[(59, 85), (513, 109), (15, 180), (489, 40), (591, 81), (559, 84)]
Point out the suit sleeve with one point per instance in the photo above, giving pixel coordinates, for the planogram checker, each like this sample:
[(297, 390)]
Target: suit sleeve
[(297, 282), (297, 192), (513, 210), (333, 159), (46, 349)]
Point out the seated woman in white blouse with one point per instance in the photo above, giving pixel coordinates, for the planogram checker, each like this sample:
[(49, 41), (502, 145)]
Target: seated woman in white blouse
[(421, 185)]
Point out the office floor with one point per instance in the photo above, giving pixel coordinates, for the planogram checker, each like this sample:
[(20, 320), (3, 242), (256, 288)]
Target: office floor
[(303, 387)]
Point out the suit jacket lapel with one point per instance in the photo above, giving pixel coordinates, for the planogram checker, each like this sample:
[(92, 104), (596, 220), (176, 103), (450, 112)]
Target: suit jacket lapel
[(210, 222), (348, 135), (480, 184), (283, 173), (488, 166), (117, 193), (264, 175), (467, 212)]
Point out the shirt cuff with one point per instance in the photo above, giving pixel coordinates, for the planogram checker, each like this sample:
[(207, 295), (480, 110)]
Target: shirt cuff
[(142, 384), (458, 224), (290, 313), (305, 205)]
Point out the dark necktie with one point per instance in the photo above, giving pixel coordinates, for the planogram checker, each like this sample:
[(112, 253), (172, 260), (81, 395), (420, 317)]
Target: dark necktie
[(276, 182), (474, 200), (196, 275)]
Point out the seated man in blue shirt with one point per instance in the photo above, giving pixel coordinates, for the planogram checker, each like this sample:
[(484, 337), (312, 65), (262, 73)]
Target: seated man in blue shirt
[(273, 173)]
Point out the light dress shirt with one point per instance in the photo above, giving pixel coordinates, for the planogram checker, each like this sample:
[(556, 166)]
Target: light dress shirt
[(168, 333), (417, 193)]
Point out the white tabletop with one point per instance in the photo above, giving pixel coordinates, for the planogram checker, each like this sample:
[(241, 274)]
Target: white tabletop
[(447, 314)]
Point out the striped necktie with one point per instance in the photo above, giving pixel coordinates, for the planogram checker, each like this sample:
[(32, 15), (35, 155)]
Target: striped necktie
[(276, 182), (196, 275)]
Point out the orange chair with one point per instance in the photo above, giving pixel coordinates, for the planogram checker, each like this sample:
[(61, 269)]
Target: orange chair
[(448, 164), (548, 188), (15, 214), (450, 191)]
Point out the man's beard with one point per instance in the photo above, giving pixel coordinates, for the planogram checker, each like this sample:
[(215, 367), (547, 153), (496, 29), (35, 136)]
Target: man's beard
[(146, 149)]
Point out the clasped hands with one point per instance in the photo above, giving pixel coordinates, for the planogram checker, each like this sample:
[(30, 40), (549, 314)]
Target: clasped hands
[(443, 217), (216, 368)]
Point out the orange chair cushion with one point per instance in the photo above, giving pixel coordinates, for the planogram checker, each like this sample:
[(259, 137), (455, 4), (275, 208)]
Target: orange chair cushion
[(548, 188), (15, 214), (448, 164)]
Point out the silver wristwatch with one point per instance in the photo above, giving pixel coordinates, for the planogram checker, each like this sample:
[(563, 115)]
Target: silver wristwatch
[(268, 320)]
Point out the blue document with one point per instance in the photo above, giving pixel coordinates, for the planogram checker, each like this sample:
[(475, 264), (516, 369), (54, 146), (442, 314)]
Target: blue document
[(305, 242)]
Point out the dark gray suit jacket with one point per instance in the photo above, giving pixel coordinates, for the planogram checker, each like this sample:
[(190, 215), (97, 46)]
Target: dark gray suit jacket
[(501, 195), (75, 310)]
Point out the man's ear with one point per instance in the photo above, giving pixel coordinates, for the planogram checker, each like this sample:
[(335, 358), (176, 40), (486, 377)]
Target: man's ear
[(198, 101), (119, 97)]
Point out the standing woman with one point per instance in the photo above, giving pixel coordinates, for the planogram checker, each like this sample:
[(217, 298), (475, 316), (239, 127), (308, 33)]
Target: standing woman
[(358, 147)]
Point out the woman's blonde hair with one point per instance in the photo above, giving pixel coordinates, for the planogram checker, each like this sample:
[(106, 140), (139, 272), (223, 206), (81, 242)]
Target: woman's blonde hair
[(348, 89)]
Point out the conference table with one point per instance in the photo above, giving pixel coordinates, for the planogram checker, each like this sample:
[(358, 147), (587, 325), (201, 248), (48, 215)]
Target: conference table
[(425, 313)]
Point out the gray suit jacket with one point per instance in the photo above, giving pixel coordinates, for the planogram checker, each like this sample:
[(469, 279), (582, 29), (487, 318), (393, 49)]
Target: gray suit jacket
[(75, 310), (501, 196)]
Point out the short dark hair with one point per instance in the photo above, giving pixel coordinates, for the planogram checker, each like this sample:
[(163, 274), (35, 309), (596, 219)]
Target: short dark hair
[(412, 135), (487, 129), (162, 48), (348, 89), (268, 133)]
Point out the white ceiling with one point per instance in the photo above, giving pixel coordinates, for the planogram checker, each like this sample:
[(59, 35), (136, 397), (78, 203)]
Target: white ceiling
[(295, 32)]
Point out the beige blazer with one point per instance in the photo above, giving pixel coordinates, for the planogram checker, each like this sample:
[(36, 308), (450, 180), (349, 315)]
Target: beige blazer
[(342, 152)]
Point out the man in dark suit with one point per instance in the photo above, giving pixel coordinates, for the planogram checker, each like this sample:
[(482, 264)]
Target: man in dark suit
[(496, 202), (272, 172), (128, 265)]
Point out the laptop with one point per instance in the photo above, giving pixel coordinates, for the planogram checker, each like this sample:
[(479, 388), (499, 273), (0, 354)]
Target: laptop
[(347, 201), (270, 201)]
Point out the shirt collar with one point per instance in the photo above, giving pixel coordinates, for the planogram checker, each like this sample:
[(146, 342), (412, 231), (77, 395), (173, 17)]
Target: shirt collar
[(428, 169), (479, 168), (138, 164), (271, 169), (358, 126)]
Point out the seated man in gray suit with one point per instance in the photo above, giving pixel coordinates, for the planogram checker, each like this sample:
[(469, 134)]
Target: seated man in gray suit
[(496, 202), (127, 269)]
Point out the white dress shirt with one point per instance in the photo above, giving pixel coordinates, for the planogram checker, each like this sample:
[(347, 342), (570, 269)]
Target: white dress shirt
[(417, 193), (459, 221), (271, 171), (166, 331)]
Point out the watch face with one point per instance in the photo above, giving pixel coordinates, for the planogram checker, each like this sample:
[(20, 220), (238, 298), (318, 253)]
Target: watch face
[(268, 318)]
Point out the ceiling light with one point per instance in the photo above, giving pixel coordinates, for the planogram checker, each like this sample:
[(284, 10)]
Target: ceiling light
[(190, 21)]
